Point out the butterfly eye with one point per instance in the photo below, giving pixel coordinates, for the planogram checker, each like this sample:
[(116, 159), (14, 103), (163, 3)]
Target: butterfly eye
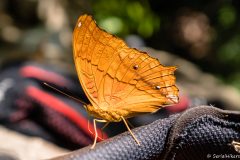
[(135, 67), (157, 87)]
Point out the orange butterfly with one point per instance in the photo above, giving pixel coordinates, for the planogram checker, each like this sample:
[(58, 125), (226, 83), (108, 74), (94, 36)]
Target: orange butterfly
[(119, 81)]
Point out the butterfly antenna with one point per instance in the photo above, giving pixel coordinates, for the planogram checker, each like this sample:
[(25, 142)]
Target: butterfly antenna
[(74, 98)]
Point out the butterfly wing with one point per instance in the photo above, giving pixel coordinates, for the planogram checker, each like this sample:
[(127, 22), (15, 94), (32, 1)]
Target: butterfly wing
[(112, 73)]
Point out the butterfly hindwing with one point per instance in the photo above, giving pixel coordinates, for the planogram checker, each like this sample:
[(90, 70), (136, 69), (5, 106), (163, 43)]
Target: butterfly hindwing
[(125, 78)]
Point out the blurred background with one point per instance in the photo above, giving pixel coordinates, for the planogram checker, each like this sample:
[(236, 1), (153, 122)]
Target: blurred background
[(202, 38)]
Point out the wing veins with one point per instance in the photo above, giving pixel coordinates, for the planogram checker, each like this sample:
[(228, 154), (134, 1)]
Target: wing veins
[(138, 74), (128, 67)]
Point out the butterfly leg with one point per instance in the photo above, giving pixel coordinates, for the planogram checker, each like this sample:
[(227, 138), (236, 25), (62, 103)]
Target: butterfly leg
[(130, 130), (130, 124), (93, 133), (89, 127), (95, 130), (105, 125)]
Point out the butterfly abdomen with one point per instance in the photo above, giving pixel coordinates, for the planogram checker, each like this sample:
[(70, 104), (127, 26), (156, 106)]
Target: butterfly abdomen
[(107, 113)]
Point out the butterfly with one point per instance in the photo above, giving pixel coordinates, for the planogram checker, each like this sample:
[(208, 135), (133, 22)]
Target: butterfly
[(120, 82)]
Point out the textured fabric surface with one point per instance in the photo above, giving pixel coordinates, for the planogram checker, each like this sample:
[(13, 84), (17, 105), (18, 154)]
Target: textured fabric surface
[(199, 133), (152, 138), (206, 137)]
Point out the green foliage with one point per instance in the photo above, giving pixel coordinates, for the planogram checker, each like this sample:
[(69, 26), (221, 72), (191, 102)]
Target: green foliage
[(125, 17), (227, 16), (229, 52)]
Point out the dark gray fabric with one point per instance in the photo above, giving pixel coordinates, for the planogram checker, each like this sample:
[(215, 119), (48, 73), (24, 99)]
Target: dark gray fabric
[(124, 147), (196, 134), (206, 136), (201, 129)]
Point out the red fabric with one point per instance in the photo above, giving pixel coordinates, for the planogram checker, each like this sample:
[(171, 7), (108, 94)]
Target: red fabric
[(43, 75), (184, 102), (61, 107)]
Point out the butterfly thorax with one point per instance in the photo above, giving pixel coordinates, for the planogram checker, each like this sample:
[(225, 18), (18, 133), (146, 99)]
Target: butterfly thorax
[(106, 113)]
